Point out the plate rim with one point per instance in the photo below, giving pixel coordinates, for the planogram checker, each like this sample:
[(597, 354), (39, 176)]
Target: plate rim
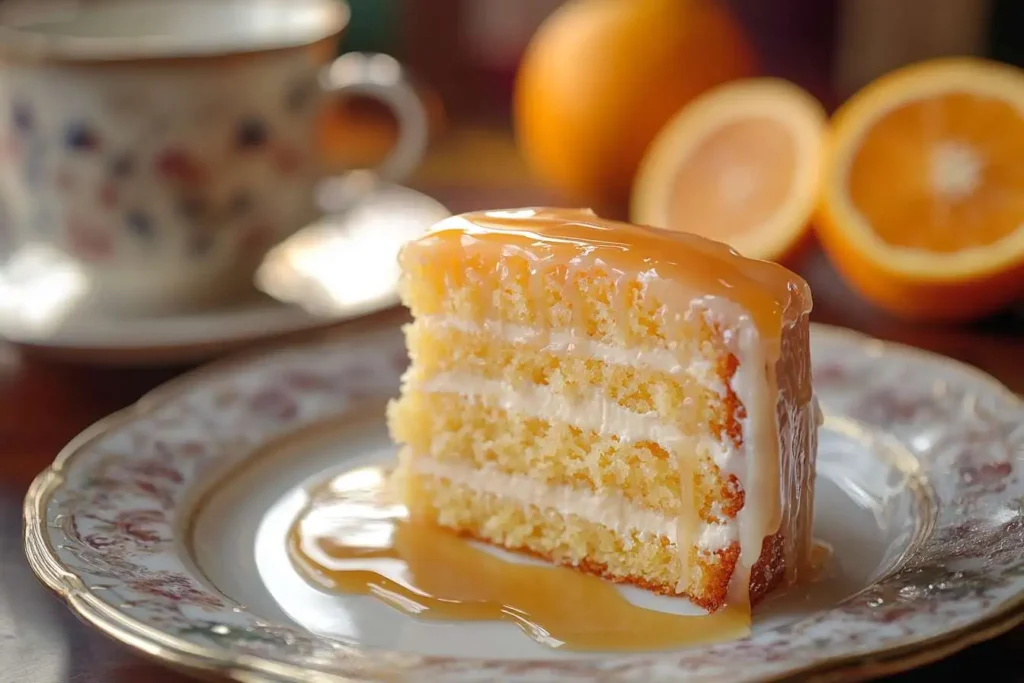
[(180, 653)]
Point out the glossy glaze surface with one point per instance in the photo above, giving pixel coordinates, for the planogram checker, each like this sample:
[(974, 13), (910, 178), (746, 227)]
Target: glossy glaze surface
[(551, 237)]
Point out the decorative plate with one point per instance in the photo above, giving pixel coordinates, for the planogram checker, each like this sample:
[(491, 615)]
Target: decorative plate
[(163, 526)]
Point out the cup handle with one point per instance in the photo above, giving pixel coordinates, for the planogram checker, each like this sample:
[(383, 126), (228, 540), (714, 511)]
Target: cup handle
[(380, 76)]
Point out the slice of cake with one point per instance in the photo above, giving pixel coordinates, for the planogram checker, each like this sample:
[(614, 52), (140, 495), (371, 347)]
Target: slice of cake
[(632, 402)]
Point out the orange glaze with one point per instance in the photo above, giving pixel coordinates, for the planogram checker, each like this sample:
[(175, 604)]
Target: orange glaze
[(770, 294), (352, 538)]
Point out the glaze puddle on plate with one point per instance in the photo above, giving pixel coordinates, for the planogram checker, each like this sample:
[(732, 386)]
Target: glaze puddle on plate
[(869, 506)]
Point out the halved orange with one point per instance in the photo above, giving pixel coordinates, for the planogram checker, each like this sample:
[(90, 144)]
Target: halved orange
[(922, 207), (740, 164)]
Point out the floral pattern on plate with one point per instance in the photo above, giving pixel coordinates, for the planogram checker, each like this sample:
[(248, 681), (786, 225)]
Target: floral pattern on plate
[(103, 525)]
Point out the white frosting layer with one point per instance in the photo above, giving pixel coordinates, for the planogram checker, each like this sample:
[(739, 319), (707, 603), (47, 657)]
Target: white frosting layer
[(596, 412), (565, 342), (610, 510)]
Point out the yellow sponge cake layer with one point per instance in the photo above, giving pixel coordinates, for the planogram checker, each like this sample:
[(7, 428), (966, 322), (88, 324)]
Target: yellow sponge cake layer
[(614, 310), (627, 401), (565, 539)]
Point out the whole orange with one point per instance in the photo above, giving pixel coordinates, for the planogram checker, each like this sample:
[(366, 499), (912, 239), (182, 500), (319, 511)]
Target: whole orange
[(601, 77)]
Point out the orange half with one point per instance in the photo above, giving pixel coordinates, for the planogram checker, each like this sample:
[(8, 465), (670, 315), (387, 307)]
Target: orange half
[(922, 207), (740, 164)]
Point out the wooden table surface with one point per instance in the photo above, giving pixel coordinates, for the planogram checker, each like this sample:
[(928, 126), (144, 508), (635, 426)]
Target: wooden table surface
[(44, 404)]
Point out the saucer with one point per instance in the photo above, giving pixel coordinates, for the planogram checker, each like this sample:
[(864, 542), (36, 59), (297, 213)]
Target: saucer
[(173, 339), (164, 527), (342, 267)]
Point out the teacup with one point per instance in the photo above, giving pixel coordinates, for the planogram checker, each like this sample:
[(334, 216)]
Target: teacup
[(164, 146)]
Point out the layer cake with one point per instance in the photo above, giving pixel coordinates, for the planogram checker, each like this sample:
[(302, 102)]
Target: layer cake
[(632, 402)]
